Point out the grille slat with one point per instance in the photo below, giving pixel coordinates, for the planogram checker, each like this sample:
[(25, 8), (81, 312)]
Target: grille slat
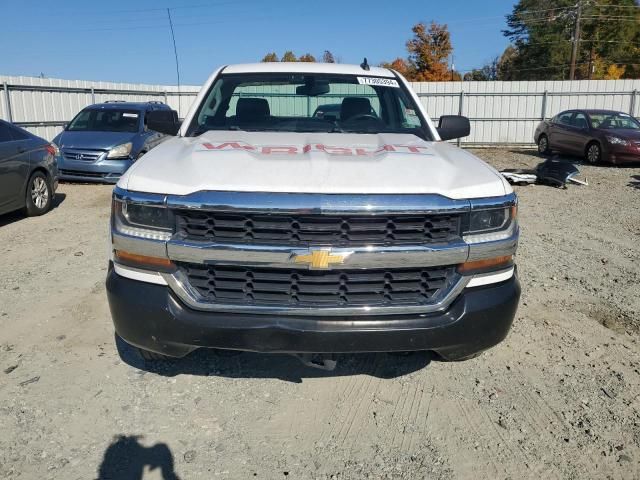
[(299, 287), (341, 230)]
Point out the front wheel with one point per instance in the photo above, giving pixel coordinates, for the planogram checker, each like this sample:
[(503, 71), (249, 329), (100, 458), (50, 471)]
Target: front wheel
[(543, 145), (39, 195), (593, 153)]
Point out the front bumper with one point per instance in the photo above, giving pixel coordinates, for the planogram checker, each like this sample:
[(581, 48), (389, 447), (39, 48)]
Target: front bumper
[(152, 317), (623, 155), (107, 171)]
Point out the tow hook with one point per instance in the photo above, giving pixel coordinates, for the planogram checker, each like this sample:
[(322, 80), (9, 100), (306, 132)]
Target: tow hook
[(323, 361)]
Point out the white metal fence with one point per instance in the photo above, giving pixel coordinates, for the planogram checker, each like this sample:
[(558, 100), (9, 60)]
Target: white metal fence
[(501, 112)]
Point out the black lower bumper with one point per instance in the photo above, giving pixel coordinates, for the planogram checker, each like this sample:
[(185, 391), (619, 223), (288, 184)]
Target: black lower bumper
[(153, 318)]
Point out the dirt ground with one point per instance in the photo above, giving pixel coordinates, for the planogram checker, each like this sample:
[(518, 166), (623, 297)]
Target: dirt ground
[(559, 398)]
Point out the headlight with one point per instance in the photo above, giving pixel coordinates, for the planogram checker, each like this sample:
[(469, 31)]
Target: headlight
[(144, 221), (617, 140), (491, 224), (483, 221), (121, 151), (488, 220)]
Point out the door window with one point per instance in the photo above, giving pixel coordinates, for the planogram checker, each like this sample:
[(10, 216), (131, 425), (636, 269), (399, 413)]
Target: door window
[(565, 118), (580, 121)]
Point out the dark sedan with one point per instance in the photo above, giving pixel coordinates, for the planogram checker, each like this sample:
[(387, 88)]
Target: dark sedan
[(597, 135), (28, 171)]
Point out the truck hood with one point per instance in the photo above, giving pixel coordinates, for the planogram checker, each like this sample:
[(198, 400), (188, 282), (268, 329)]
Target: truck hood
[(92, 140), (312, 163)]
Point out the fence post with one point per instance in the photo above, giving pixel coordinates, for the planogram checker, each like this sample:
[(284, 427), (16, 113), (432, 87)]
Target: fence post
[(460, 108), (7, 102), (543, 114), (632, 104), (93, 96)]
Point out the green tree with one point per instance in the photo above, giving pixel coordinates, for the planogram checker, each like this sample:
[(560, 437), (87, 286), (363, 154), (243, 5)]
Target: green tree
[(541, 32), (270, 57), (488, 72)]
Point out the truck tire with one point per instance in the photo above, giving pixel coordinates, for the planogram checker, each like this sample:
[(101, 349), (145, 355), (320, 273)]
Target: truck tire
[(39, 195)]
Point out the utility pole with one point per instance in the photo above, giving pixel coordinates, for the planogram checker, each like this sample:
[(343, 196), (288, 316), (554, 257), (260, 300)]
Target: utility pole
[(576, 40)]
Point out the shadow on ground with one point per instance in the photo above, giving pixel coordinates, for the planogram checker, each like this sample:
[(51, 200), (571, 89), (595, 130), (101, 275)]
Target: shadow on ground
[(16, 216), (635, 181), (127, 459), (216, 363)]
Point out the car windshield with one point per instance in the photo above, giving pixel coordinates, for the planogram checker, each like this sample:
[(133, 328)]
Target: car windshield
[(610, 121), (105, 120), (308, 103)]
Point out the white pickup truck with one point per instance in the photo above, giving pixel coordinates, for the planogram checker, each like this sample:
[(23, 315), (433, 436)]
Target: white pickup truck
[(312, 209)]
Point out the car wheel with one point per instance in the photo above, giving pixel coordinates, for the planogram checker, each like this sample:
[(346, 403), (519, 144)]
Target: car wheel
[(39, 195), (150, 356), (593, 153), (543, 145)]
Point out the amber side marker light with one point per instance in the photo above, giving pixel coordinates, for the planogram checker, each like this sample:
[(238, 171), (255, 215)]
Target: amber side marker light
[(143, 261), (486, 264)]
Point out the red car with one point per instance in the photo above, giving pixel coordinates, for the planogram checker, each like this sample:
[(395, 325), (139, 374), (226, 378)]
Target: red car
[(596, 135)]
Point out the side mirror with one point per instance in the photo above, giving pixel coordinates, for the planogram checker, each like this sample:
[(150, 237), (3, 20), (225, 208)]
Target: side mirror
[(163, 121), (453, 126)]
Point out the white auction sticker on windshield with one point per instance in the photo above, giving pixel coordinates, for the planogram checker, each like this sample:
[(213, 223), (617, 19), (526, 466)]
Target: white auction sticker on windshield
[(130, 115), (378, 82)]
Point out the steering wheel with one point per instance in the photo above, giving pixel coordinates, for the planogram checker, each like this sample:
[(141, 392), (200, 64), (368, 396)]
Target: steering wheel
[(363, 116)]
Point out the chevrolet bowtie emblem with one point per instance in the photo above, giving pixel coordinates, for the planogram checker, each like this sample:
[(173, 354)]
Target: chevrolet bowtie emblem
[(321, 259)]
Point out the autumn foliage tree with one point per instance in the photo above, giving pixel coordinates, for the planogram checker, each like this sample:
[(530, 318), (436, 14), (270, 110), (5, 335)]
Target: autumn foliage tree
[(270, 57), (429, 51), (289, 56), (307, 57)]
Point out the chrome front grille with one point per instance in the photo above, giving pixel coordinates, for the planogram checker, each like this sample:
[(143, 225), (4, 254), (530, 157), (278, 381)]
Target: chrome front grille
[(82, 155), (290, 287), (303, 230)]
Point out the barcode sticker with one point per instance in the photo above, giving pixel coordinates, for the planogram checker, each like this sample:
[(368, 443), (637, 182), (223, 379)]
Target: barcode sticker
[(378, 82)]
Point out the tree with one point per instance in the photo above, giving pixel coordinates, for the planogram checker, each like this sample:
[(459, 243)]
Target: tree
[(401, 66), (505, 64), (486, 73), (289, 56), (429, 51), (307, 57), (270, 57), (327, 57), (542, 34)]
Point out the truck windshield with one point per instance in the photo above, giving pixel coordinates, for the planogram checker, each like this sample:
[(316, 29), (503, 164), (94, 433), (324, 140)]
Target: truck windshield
[(308, 103), (107, 120)]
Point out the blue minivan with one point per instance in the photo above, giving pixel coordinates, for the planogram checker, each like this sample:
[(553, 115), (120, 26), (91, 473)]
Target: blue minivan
[(104, 140)]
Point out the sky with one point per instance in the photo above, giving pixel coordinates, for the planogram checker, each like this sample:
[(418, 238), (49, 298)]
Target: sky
[(130, 40)]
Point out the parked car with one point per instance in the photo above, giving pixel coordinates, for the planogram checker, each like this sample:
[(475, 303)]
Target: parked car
[(597, 135), (104, 140), (262, 227), (28, 171)]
